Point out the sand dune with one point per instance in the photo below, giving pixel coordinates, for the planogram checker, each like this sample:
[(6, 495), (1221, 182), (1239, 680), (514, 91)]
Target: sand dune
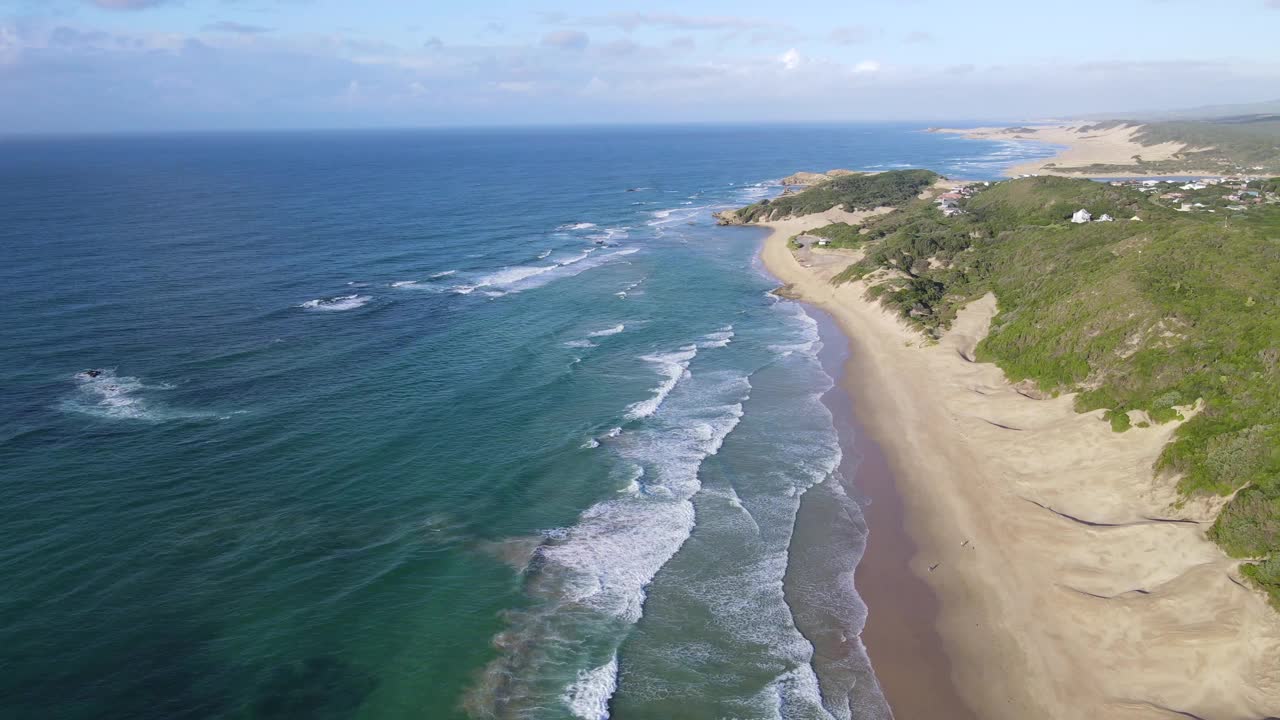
[(1070, 584), (1112, 146)]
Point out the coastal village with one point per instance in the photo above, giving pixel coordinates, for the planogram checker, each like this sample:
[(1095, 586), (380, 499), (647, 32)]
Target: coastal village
[(1210, 195), (949, 202)]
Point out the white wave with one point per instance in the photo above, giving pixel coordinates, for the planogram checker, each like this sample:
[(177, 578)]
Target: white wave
[(673, 367), (590, 444), (576, 258), (104, 394), (806, 339), (751, 193), (512, 275), (617, 546), (796, 694), (611, 234), (577, 226), (445, 273), (588, 697), (672, 216), (608, 331), (589, 579), (633, 483), (717, 339), (629, 288), (336, 304), (404, 283), (519, 278), (543, 255), (580, 344)]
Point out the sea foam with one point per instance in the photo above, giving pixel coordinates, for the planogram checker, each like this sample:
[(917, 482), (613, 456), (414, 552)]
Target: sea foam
[(123, 397), (608, 331), (673, 367), (336, 304), (519, 278), (588, 697), (589, 579)]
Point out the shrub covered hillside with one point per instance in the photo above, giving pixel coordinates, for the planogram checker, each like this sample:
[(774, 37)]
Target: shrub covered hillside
[(1135, 315), (855, 192)]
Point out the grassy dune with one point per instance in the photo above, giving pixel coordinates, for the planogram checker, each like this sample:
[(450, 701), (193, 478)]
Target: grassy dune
[(853, 192), (1139, 318)]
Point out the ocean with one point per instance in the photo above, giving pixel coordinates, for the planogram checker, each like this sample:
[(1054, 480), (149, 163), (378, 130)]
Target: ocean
[(422, 424)]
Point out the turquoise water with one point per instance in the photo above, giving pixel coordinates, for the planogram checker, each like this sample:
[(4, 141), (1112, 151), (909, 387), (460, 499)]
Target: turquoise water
[(418, 425)]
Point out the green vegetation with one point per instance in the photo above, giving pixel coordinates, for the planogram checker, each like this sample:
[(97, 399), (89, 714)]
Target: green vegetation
[(1179, 310), (840, 234), (1118, 418), (854, 192)]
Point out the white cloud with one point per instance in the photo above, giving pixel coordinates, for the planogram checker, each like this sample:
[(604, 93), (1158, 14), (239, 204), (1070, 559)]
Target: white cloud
[(791, 59), (866, 67)]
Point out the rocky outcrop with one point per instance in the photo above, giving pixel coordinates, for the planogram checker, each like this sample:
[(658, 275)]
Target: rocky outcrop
[(814, 178), (727, 217)]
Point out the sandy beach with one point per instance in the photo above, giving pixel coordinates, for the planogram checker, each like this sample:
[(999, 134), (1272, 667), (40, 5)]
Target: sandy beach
[(1111, 146), (1069, 582)]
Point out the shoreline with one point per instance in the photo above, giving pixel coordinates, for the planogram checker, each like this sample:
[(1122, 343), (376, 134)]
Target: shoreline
[(1068, 582), (1112, 146), (910, 664)]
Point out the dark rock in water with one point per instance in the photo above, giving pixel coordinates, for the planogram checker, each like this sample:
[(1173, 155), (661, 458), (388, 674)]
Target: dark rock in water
[(786, 291), (93, 373)]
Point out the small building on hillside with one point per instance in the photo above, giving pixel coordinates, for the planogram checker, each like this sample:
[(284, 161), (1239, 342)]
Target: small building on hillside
[(1106, 218), (1081, 216)]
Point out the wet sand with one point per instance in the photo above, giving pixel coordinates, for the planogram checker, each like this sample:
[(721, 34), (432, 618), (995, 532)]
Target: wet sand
[(901, 633), (1070, 581)]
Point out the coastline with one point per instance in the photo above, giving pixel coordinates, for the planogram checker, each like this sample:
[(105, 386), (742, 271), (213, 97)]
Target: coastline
[(1067, 582), (911, 666), (1111, 146)]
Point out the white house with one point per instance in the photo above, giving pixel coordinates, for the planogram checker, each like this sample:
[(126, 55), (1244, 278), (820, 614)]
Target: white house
[(1106, 218), (1081, 216)]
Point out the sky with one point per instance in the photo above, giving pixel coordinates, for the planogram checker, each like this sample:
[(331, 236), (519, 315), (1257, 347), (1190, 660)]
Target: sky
[(142, 65)]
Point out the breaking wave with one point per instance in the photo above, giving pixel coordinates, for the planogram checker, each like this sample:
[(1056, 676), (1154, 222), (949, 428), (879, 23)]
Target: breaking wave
[(104, 394), (336, 304), (608, 331), (673, 367), (519, 278)]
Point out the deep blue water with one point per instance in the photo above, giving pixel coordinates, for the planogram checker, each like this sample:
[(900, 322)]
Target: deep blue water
[(416, 425)]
